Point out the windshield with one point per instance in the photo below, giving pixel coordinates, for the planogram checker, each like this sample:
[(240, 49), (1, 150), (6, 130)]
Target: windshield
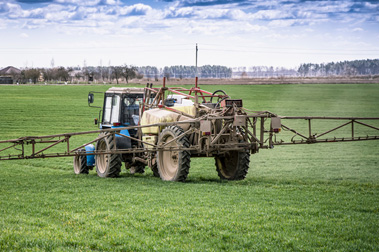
[(112, 109)]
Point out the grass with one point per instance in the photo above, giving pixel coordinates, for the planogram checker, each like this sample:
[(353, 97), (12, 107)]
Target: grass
[(297, 198)]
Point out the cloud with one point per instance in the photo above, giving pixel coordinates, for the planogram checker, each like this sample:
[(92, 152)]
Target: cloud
[(107, 2), (190, 16), (33, 24), (283, 23), (205, 3), (272, 14), (34, 1), (78, 2), (4, 7), (247, 27), (186, 12), (282, 9), (135, 10)]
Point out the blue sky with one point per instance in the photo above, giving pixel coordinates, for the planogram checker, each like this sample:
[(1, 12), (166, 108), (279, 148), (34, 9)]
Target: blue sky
[(42, 33)]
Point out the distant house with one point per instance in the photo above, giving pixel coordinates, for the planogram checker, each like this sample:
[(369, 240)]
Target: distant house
[(8, 74)]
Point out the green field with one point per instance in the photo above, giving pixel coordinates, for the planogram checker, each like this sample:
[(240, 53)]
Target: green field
[(295, 198)]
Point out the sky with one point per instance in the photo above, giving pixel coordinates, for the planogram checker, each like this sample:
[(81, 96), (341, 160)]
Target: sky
[(283, 33)]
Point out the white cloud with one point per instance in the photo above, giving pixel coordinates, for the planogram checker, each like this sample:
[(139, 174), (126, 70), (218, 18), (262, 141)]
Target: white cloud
[(236, 14), (181, 12), (371, 5), (34, 24), (282, 23), (78, 2), (255, 28), (13, 10), (271, 14), (136, 9)]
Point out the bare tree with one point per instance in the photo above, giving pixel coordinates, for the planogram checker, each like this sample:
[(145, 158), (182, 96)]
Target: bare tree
[(129, 72), (62, 74), (32, 74), (117, 72)]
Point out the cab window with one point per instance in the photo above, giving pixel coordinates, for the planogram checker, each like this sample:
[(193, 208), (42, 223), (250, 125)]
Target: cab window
[(131, 110), (112, 109)]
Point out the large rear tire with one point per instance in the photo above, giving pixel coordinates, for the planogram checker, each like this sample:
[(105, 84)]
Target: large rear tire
[(80, 163), (107, 165), (173, 165), (234, 165)]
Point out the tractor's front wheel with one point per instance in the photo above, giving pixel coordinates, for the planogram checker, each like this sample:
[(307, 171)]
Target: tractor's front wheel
[(233, 165), (154, 169), (107, 165), (80, 163), (137, 168), (173, 163)]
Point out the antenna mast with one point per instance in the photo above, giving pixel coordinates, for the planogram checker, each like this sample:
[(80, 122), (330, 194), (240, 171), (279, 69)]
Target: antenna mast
[(196, 60)]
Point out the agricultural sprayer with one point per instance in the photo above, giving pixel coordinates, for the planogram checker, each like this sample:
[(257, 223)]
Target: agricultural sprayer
[(164, 128)]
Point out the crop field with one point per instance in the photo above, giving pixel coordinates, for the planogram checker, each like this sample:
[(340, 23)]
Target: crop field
[(320, 197)]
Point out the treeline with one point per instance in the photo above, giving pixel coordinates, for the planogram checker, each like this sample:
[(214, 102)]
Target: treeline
[(124, 73), (183, 72), (115, 74), (34, 75), (76, 74), (263, 72), (343, 68)]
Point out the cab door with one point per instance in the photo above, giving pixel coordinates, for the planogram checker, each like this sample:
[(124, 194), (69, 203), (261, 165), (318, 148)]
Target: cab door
[(111, 114)]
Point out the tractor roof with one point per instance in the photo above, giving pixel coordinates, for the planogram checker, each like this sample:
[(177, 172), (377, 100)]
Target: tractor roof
[(128, 90)]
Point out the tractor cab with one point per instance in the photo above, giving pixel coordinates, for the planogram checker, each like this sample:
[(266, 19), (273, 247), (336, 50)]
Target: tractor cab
[(121, 108)]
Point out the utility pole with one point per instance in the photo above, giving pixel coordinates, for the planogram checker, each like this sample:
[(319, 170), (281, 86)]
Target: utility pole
[(196, 60)]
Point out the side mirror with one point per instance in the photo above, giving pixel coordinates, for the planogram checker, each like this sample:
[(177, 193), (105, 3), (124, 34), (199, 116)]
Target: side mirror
[(90, 98)]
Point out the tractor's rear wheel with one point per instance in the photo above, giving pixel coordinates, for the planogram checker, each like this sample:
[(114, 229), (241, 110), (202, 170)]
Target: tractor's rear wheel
[(173, 165), (107, 165), (234, 165), (80, 163)]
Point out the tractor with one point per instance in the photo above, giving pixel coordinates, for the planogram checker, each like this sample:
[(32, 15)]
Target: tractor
[(169, 148)]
